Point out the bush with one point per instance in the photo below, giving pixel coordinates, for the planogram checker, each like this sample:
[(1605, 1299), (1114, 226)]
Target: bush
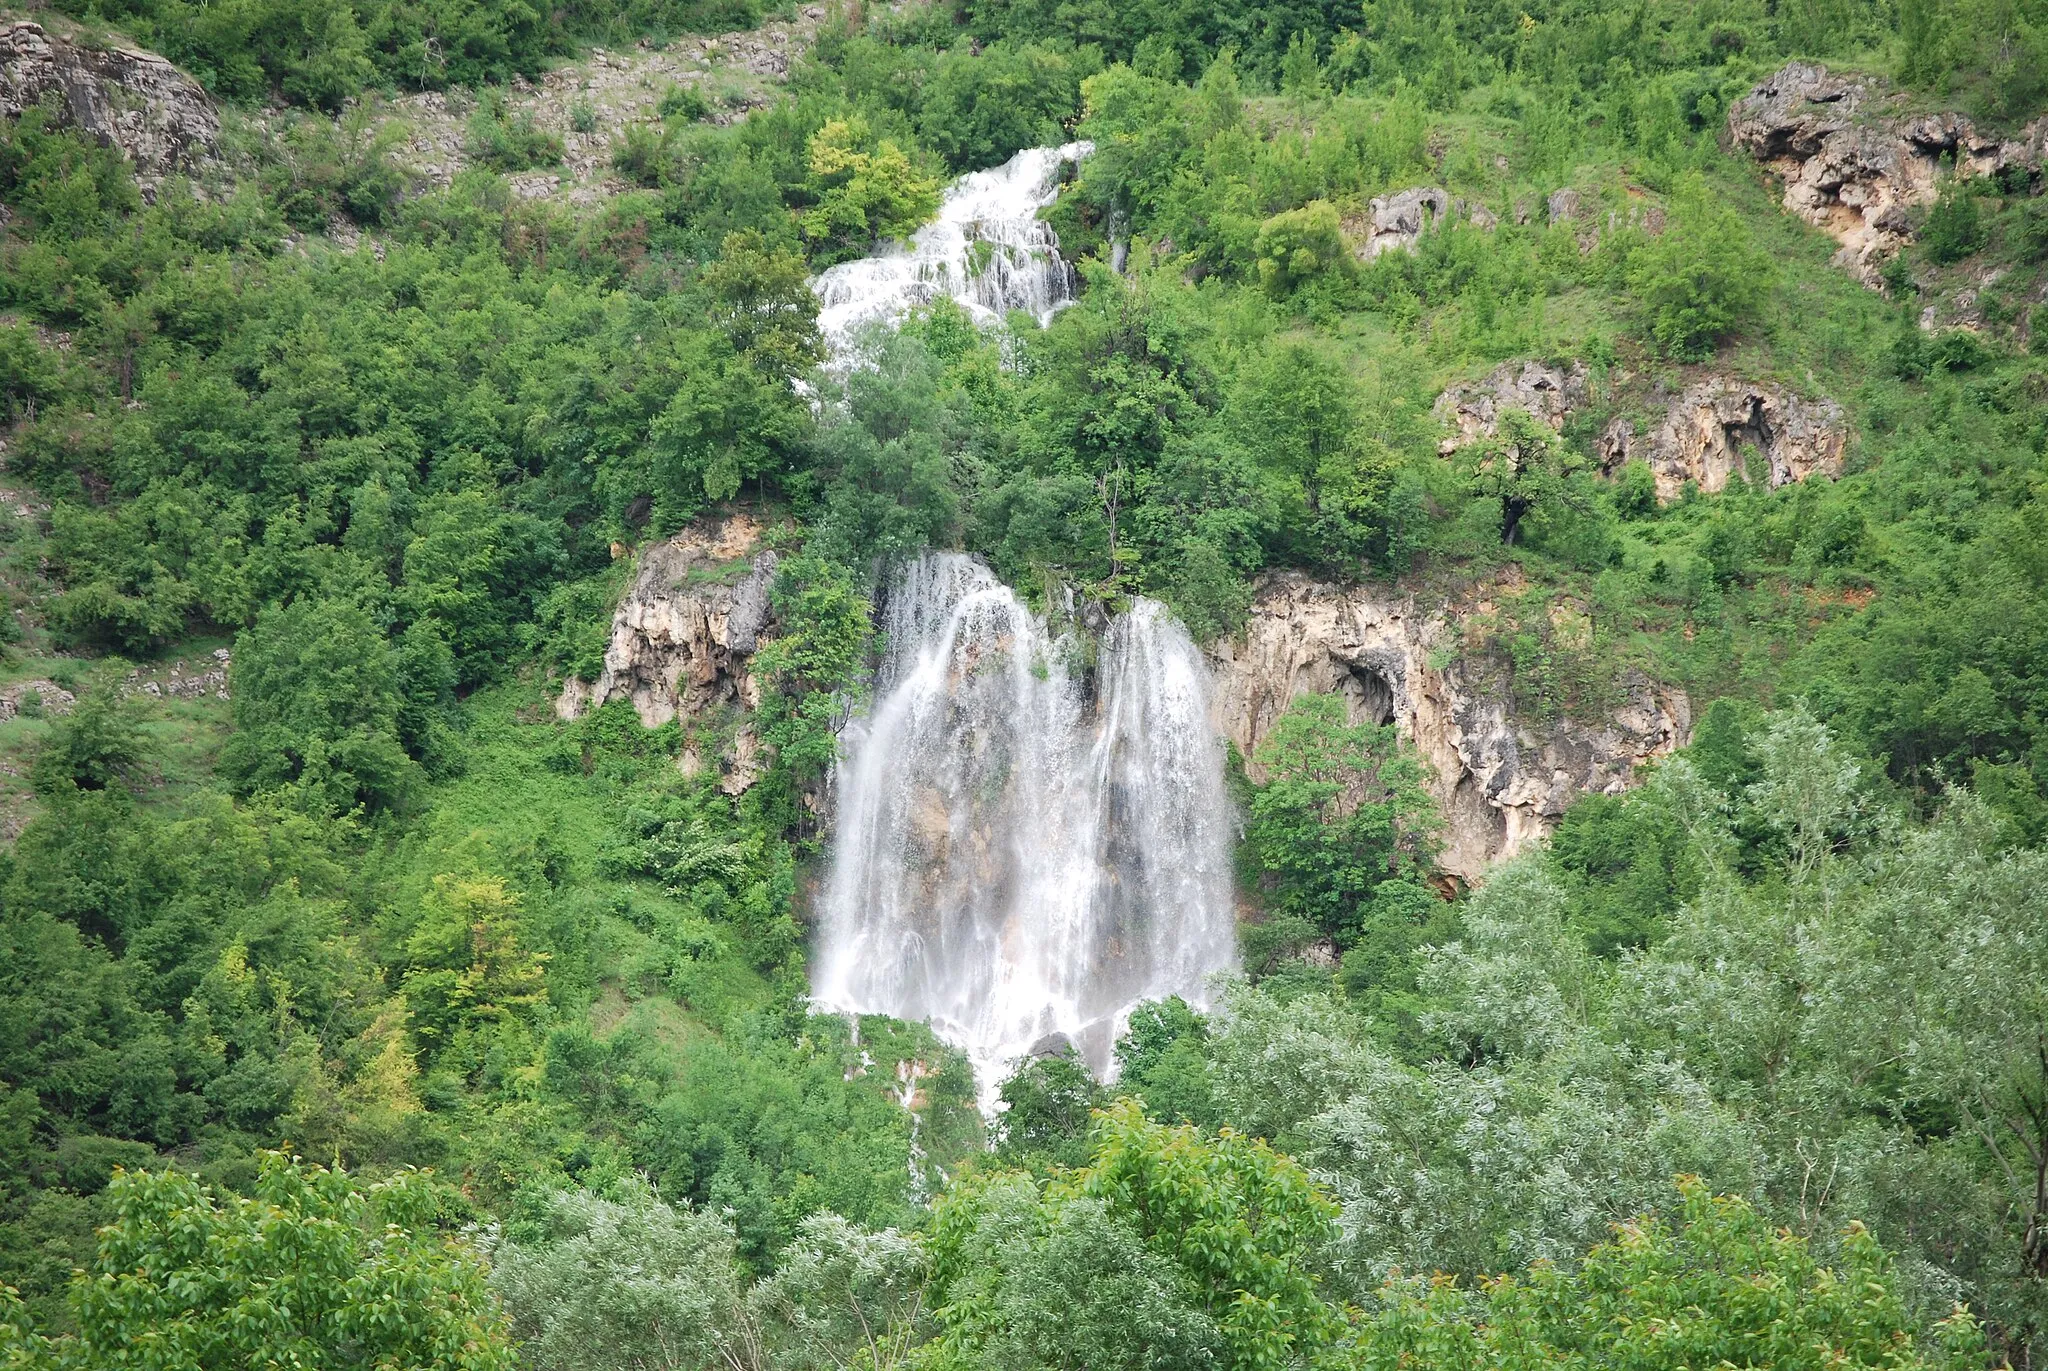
[(1701, 278), (1955, 226), (510, 142)]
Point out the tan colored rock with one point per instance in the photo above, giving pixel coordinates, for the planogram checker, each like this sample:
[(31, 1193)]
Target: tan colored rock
[(682, 637), (1854, 173), (128, 99), (1501, 785), (1704, 436), (1472, 410)]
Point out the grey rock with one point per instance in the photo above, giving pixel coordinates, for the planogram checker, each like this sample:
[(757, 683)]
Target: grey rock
[(1501, 782), (1472, 410), (127, 99), (1708, 431)]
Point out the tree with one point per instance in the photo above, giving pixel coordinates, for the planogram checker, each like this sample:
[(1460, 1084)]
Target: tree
[(1341, 829), (1526, 467), (317, 710), (468, 969), (865, 189), (1726, 1288), (619, 1279), (1696, 282), (312, 1270)]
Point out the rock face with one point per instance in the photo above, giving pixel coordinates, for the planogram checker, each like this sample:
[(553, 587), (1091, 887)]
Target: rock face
[(681, 640), (1855, 173), (1545, 392), (1399, 220), (135, 101), (1704, 435), (1501, 786)]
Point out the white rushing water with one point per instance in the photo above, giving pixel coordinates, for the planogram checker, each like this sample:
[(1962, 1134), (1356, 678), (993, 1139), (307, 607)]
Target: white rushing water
[(1024, 848), (986, 249)]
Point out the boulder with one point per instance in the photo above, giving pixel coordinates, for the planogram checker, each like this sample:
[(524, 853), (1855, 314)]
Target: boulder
[(128, 99), (1707, 431), (1473, 409), (1502, 784)]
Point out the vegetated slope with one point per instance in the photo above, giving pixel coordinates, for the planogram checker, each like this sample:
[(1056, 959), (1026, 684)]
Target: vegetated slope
[(381, 904)]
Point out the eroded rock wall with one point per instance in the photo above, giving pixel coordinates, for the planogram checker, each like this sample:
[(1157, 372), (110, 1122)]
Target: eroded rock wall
[(135, 101), (681, 642), (1502, 785), (1853, 167), (1707, 432)]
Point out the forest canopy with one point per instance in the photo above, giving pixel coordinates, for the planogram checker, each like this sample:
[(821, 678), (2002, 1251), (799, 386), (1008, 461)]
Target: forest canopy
[(357, 1006)]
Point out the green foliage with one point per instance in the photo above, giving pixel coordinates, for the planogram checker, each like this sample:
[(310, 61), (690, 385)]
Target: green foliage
[(1297, 246), (509, 142), (312, 1268), (1955, 225), (1698, 281), (1724, 1285), (1341, 830), (317, 711), (864, 189), (1046, 1106), (809, 674)]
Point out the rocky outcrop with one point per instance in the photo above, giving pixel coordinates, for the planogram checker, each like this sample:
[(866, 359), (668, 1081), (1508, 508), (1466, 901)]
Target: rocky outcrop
[(1854, 171), (680, 644), (1705, 434), (1473, 410), (1501, 785), (1398, 221), (135, 101)]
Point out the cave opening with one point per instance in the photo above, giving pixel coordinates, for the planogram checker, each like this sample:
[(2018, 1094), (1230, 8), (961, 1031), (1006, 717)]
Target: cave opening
[(1368, 695)]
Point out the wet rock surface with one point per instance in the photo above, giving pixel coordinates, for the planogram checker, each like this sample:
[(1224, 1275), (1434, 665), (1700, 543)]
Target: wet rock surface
[(1502, 784)]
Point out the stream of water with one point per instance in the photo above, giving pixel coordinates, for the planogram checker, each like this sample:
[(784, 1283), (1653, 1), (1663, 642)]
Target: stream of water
[(1031, 830)]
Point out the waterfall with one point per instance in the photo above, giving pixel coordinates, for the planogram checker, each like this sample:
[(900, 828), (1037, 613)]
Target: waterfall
[(1025, 846), (986, 249)]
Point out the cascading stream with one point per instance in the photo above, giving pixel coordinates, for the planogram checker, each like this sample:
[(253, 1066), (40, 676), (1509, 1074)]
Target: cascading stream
[(1032, 833), (1018, 855), (987, 250)]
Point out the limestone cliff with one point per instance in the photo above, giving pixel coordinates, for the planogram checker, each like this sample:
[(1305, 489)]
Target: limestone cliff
[(1704, 435), (1855, 162), (1707, 431), (1501, 784), (681, 640), (128, 99)]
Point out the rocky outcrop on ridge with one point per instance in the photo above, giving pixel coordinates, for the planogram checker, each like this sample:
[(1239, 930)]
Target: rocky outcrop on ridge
[(135, 101), (1502, 785), (1853, 170), (681, 640), (1545, 392), (1704, 435)]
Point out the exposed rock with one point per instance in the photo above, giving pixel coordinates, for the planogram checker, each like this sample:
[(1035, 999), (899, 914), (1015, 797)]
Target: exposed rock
[(681, 639), (1705, 433), (1565, 206), (1398, 221), (1501, 786), (591, 103), (135, 101), (1855, 173), (200, 681), (50, 697), (1545, 392)]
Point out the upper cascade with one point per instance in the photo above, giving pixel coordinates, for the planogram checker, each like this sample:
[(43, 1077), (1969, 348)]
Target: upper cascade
[(987, 250), (1018, 855)]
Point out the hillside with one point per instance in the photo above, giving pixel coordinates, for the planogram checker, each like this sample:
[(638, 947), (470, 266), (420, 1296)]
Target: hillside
[(1420, 649)]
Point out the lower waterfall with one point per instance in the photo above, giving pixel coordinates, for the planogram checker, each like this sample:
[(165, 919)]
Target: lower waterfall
[(1024, 846)]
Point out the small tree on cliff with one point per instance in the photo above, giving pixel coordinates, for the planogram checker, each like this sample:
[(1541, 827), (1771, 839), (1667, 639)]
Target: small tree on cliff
[(1523, 465)]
